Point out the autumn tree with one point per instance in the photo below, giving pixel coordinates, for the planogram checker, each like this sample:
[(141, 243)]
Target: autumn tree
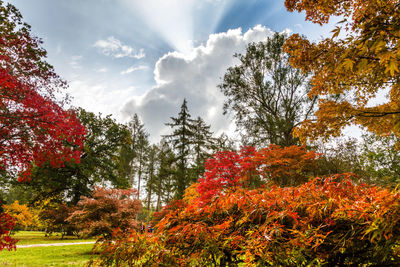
[(251, 168), (54, 217), (7, 224), (21, 214), (105, 210), (359, 61), (330, 221), (267, 96), (222, 171), (35, 129)]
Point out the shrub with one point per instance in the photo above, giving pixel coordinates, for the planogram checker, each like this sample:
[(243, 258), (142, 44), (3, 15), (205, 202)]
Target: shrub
[(108, 209)]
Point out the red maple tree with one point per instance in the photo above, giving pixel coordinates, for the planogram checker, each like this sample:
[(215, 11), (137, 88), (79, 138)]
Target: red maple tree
[(34, 127)]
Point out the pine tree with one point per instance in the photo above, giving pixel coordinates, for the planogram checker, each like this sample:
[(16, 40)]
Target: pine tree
[(202, 146), (151, 174), (181, 140), (164, 182), (140, 144)]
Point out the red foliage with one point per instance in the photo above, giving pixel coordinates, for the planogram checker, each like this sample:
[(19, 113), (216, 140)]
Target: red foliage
[(285, 166), (107, 210), (7, 223), (172, 206), (223, 170), (329, 221), (280, 165), (34, 127)]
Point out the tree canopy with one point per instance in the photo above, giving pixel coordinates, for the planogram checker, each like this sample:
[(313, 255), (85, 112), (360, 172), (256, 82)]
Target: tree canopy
[(267, 96), (349, 69), (34, 127)]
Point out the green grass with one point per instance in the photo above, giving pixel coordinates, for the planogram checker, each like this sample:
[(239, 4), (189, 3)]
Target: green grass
[(74, 255), (35, 237)]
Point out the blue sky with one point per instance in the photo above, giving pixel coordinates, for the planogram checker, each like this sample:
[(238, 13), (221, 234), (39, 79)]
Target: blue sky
[(122, 57)]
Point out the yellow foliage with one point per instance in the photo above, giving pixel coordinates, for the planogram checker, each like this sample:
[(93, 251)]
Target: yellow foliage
[(20, 213)]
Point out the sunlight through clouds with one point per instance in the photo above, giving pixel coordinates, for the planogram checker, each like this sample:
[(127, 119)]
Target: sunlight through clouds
[(176, 20)]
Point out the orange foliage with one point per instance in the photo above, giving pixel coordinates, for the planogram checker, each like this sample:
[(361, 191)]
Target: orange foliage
[(360, 60), (332, 221), (282, 165)]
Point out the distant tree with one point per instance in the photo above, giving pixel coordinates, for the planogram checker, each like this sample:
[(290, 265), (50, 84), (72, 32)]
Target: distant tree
[(267, 96), (381, 159), (203, 143), (340, 156), (165, 179), (151, 174), (224, 143), (54, 217), (181, 140), (139, 148), (107, 209)]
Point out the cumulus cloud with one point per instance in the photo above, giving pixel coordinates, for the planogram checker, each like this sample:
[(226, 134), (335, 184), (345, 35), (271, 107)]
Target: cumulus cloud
[(193, 76), (115, 48), (134, 68)]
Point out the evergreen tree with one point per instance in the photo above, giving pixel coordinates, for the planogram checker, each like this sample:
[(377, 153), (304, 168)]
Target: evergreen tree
[(151, 174), (140, 143), (202, 146), (181, 140), (164, 181)]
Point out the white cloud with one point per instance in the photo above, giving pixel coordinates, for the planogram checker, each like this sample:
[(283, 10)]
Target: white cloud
[(193, 76), (132, 69), (115, 48), (102, 70), (98, 97), (75, 62)]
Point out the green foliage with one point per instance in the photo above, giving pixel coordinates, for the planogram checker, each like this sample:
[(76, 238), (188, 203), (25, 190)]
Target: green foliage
[(181, 139), (381, 159), (139, 150), (99, 163), (192, 142), (267, 96)]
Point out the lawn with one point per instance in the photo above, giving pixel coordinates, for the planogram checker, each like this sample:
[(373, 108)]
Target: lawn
[(35, 237), (73, 255)]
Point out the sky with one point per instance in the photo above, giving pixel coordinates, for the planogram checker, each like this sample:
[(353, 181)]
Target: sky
[(122, 57)]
